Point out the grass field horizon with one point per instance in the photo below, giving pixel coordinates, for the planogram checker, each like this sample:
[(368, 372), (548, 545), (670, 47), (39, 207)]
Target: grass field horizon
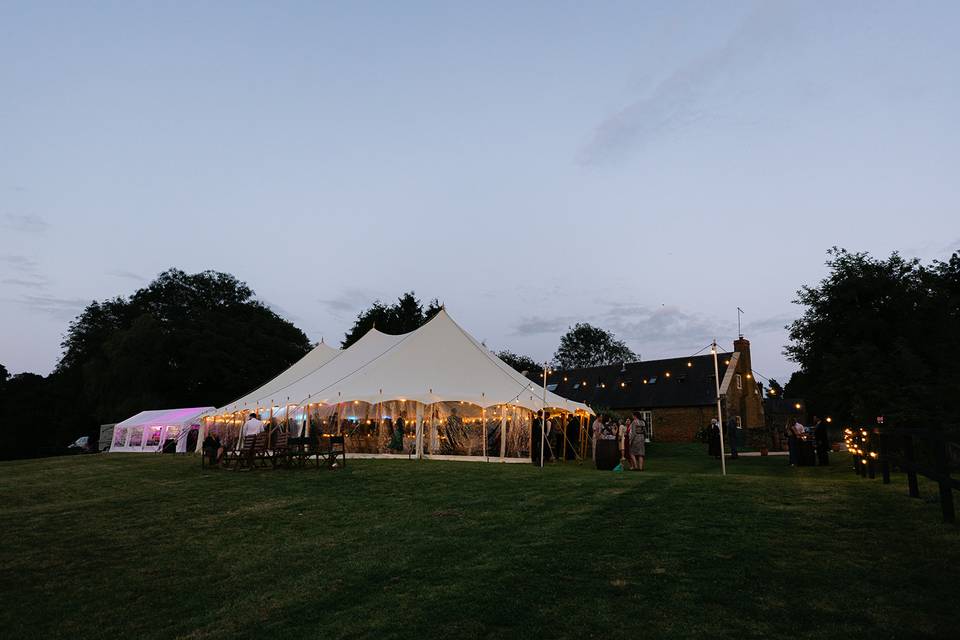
[(152, 546)]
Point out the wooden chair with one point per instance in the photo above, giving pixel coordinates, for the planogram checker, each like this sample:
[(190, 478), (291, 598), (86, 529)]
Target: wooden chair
[(242, 458), (334, 447), (261, 456), (281, 455)]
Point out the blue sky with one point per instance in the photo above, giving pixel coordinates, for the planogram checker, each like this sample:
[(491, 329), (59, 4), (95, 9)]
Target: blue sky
[(647, 167)]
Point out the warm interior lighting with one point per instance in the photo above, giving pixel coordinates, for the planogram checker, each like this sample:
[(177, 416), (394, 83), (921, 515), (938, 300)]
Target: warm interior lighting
[(796, 406)]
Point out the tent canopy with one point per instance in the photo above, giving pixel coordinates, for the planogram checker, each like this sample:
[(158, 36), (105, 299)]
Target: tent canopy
[(165, 417), (264, 394), (439, 362)]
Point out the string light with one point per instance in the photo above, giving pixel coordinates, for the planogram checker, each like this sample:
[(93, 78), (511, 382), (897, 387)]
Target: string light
[(689, 364), (623, 384), (667, 374)]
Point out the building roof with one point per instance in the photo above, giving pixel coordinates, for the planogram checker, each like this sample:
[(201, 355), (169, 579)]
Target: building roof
[(641, 385)]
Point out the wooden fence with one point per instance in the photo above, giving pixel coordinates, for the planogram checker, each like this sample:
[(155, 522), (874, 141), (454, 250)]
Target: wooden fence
[(914, 451)]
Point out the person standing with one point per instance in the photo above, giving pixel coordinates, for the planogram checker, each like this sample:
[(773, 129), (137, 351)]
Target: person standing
[(731, 434), (793, 439), (252, 426), (713, 439), (396, 437), (822, 440), (596, 429), (638, 442), (622, 436)]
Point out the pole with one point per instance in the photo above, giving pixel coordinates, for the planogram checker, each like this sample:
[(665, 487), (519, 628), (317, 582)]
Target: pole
[(716, 380), (483, 431), (543, 416)]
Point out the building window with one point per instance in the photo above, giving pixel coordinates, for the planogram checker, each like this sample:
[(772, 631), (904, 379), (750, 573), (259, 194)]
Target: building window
[(739, 423), (739, 382), (653, 379), (552, 387)]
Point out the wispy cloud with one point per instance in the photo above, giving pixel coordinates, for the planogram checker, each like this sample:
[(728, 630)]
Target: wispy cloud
[(664, 328), (694, 93), (536, 325), (21, 271), (28, 223), (348, 302), (59, 308), (129, 275), (768, 325)]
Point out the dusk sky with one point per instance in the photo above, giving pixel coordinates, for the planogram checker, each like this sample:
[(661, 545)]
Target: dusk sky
[(644, 166)]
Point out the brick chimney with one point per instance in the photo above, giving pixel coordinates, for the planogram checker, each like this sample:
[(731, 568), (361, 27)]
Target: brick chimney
[(749, 405)]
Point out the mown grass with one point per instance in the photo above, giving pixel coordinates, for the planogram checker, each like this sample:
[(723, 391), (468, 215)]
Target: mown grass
[(149, 546)]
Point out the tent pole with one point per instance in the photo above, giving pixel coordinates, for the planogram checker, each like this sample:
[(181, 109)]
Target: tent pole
[(483, 431), (503, 433), (418, 433), (543, 416), (307, 430), (716, 380)]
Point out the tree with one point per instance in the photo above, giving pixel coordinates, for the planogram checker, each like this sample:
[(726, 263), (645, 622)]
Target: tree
[(880, 337), (523, 364), (584, 345), (404, 316), (774, 388)]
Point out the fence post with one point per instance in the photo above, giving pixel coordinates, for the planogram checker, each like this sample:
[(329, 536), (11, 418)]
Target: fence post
[(943, 478), (884, 462), (911, 471)]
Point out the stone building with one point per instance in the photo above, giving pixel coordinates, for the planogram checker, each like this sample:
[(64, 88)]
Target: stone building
[(677, 396)]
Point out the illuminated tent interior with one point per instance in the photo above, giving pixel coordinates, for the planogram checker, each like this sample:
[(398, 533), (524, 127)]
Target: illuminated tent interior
[(434, 392), (147, 431)]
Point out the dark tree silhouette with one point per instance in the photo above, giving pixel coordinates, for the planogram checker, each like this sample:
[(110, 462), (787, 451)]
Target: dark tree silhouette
[(584, 345), (405, 315)]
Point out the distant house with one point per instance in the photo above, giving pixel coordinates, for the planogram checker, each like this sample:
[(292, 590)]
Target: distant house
[(677, 396)]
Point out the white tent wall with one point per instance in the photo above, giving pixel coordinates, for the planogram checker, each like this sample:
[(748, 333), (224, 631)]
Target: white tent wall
[(147, 431)]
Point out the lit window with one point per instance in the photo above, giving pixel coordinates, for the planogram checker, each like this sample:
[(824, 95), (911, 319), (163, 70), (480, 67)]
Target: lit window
[(552, 387), (653, 379)]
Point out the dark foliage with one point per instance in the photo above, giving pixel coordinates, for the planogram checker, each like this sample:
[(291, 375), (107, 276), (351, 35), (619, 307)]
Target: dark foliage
[(405, 315), (880, 337), (184, 340), (523, 364), (584, 345)]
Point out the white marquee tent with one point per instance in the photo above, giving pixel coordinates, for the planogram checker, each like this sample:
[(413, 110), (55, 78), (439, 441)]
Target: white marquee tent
[(148, 430), (455, 397)]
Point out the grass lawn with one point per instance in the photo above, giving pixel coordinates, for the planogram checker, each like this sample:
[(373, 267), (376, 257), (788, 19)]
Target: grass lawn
[(147, 546)]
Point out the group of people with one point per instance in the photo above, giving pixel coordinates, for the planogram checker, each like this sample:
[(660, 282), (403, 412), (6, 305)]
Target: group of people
[(213, 447), (729, 438), (797, 434), (631, 434)]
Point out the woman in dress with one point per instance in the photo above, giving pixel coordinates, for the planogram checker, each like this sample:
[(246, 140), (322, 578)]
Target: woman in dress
[(638, 442)]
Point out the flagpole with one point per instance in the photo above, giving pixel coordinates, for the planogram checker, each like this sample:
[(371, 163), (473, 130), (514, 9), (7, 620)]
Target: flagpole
[(716, 380)]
